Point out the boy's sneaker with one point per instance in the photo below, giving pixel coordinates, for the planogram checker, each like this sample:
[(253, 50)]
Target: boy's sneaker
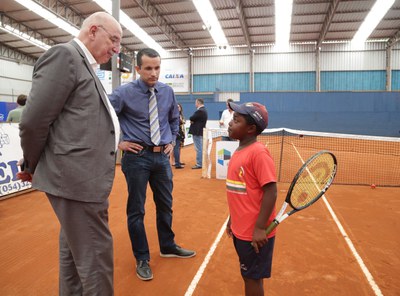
[(179, 253), (143, 270)]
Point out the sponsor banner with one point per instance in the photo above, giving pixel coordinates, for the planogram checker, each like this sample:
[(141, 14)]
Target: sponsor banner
[(175, 73), (224, 151), (105, 78), (10, 154)]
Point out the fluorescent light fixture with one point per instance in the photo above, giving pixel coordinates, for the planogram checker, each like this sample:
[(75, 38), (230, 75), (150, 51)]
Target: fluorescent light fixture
[(210, 21), (51, 17), (24, 36), (373, 18), (131, 26), (283, 20), (106, 5)]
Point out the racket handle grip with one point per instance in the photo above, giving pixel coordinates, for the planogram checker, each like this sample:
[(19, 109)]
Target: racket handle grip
[(271, 226)]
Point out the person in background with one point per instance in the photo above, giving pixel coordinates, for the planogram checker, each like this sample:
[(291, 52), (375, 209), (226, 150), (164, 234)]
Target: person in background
[(226, 117), (15, 115), (149, 118), (198, 121), (69, 135), (180, 139), (251, 193)]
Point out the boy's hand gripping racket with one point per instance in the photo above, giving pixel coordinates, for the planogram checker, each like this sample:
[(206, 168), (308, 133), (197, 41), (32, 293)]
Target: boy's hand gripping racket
[(310, 183)]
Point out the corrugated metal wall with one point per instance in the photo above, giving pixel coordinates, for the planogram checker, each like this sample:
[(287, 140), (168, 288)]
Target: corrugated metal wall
[(224, 64), (221, 82), (300, 58), (335, 58), (290, 81), (396, 80), (396, 59), (231, 69), (341, 68), (353, 80), (284, 62)]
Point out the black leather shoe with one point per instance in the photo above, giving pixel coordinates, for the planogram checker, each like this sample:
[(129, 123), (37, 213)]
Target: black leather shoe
[(179, 167), (143, 270), (179, 253)]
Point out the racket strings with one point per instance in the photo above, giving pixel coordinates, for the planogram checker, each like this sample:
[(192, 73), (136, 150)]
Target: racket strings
[(312, 181)]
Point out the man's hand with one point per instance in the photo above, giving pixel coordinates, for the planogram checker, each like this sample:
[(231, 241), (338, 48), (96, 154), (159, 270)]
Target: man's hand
[(168, 148), (129, 146), (23, 176)]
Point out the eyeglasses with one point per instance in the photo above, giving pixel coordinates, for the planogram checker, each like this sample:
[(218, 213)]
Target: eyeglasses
[(114, 39)]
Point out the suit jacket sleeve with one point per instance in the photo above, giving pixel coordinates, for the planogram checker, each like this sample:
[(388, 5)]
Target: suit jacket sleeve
[(196, 115), (52, 82)]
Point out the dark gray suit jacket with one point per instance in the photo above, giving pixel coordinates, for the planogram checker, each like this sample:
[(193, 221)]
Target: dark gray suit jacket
[(67, 134), (198, 121)]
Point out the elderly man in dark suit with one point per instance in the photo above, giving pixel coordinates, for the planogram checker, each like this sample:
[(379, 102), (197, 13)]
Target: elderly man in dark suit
[(198, 121), (69, 134)]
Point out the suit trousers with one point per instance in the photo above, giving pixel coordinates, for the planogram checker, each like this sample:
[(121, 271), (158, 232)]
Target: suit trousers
[(86, 247)]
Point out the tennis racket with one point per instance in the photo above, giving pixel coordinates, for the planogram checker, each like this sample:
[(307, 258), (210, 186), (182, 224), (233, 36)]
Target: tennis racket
[(310, 183)]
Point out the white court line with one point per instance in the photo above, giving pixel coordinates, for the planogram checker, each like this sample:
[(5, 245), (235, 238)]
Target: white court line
[(360, 262), (203, 266)]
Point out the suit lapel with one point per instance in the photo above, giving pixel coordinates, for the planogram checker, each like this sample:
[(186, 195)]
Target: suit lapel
[(99, 85)]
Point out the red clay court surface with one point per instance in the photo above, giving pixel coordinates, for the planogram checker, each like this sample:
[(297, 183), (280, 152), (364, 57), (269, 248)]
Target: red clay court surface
[(311, 255)]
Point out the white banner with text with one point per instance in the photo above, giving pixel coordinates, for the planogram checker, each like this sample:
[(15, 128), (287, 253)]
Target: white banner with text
[(10, 154)]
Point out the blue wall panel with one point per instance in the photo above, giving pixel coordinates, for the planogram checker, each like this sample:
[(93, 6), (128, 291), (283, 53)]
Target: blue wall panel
[(363, 113), (5, 108), (221, 82), (353, 80), (192, 97), (396, 80), (214, 109), (295, 81)]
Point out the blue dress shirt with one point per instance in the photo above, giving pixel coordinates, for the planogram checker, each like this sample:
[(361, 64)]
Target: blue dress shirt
[(131, 103)]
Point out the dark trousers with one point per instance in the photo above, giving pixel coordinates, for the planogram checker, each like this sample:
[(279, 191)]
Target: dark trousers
[(86, 247), (141, 169), (177, 152)]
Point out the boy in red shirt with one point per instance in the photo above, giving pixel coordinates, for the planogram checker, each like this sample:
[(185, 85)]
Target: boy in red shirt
[(251, 192)]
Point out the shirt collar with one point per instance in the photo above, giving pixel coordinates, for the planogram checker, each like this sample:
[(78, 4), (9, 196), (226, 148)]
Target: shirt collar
[(145, 87), (87, 53)]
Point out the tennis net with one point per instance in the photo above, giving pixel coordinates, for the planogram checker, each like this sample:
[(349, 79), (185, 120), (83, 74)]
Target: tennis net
[(362, 160)]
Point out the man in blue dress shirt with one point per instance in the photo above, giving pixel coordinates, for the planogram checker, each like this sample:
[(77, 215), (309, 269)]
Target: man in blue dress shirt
[(146, 162)]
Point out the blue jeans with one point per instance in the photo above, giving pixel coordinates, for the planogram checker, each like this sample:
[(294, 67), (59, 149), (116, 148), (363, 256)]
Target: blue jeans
[(139, 170), (198, 146), (177, 152)]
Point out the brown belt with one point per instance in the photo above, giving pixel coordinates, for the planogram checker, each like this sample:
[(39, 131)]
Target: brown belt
[(154, 149)]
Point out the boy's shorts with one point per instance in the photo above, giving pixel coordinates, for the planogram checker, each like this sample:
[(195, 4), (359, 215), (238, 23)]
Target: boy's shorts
[(252, 265)]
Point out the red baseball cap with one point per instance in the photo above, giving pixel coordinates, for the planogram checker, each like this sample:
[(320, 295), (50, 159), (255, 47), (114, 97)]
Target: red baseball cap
[(257, 111)]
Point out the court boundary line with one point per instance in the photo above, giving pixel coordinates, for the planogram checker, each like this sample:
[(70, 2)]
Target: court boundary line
[(350, 244), (190, 290), (203, 266)]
